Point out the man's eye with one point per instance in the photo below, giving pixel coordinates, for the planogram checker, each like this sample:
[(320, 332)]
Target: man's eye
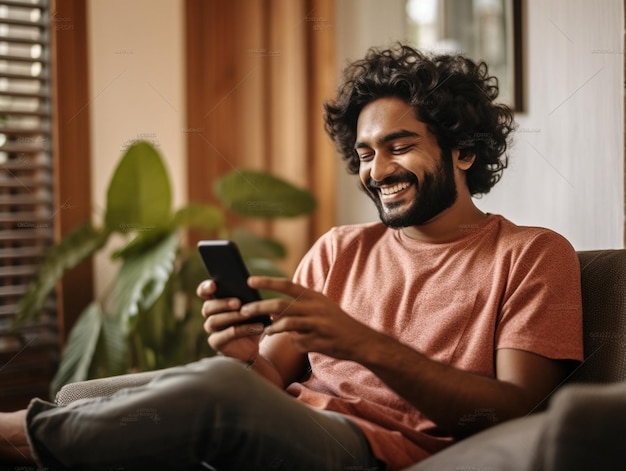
[(400, 149), (365, 157)]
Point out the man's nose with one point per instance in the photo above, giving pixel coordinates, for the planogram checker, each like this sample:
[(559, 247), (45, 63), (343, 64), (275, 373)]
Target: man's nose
[(381, 167)]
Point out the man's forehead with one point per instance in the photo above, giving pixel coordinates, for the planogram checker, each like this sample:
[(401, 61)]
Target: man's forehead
[(388, 116)]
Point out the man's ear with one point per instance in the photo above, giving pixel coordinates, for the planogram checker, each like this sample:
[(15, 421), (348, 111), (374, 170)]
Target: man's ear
[(463, 159)]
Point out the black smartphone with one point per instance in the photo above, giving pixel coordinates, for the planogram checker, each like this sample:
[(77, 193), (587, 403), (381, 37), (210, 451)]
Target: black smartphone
[(226, 267)]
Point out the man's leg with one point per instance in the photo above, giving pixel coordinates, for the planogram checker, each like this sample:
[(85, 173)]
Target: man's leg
[(214, 411)]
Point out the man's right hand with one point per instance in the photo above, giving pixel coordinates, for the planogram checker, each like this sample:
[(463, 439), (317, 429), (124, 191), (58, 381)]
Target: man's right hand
[(226, 334)]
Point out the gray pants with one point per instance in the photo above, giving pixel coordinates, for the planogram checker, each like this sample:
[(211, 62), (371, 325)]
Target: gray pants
[(212, 414)]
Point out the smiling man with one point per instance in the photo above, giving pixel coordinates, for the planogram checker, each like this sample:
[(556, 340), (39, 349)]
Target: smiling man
[(393, 340), (404, 171)]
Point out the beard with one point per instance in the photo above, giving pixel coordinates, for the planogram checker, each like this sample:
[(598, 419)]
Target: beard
[(434, 194)]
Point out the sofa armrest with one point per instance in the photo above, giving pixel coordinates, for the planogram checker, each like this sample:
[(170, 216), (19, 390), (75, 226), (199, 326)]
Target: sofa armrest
[(102, 387), (603, 278), (582, 429)]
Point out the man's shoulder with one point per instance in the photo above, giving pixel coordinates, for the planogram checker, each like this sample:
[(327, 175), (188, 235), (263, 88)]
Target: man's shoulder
[(528, 237)]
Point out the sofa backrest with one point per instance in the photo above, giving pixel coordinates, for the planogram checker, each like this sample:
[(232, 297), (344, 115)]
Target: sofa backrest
[(603, 277)]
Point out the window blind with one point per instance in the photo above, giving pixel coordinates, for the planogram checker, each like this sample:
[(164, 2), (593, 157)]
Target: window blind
[(28, 357)]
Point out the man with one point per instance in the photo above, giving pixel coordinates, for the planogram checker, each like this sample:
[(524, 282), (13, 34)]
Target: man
[(395, 339)]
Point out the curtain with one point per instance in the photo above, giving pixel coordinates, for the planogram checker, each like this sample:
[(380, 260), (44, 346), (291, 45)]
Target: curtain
[(257, 75)]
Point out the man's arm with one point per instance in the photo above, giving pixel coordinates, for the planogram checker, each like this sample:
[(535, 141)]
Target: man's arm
[(458, 401)]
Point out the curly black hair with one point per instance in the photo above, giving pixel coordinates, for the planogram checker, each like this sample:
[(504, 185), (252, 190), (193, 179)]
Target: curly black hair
[(451, 94)]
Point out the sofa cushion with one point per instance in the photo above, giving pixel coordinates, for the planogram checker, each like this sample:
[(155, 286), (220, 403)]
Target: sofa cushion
[(585, 429), (510, 446), (582, 430)]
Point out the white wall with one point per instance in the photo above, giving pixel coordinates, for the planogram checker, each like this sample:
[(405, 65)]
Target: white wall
[(137, 92), (361, 24), (566, 170)]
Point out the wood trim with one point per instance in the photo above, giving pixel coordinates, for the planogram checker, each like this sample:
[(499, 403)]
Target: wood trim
[(323, 155), (208, 73), (257, 74), (199, 170), (72, 155), (518, 57)]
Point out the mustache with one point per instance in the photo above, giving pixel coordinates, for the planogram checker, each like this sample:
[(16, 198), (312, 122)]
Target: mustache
[(391, 180)]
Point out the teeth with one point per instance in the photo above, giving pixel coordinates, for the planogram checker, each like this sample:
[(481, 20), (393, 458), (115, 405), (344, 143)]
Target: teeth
[(390, 190)]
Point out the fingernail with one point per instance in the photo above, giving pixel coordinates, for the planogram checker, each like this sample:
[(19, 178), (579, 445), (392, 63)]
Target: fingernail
[(256, 330)]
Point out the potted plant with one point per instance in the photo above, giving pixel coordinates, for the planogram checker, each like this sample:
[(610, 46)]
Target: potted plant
[(149, 317)]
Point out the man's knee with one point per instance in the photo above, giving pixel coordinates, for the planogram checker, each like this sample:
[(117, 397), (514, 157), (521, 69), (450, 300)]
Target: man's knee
[(212, 379)]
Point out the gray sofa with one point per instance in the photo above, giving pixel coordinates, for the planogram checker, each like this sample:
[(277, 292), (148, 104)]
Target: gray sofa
[(584, 427)]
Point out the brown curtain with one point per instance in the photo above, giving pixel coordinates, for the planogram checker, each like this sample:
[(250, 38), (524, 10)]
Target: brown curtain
[(257, 75)]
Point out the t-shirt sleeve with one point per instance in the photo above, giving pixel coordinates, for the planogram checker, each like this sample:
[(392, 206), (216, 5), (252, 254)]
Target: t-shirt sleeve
[(542, 307), (312, 270)]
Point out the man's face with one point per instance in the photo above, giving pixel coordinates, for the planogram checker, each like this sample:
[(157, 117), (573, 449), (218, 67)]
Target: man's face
[(402, 167)]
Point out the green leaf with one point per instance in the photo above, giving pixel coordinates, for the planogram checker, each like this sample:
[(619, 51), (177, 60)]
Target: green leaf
[(142, 242), (188, 343), (111, 356), (139, 196), (154, 324), (192, 271), (261, 195), (79, 349), (253, 246), (142, 278), (78, 245), (199, 216)]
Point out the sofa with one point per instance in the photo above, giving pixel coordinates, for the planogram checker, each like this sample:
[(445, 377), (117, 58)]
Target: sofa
[(584, 426)]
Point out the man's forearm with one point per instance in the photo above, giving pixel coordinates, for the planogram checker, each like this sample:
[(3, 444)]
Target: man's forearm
[(457, 401)]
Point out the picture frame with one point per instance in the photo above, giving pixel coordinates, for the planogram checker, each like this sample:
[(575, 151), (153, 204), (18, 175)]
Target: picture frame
[(483, 30)]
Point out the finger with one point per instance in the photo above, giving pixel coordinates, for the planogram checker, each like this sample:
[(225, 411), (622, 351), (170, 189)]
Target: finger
[(222, 321), (295, 325), (216, 306), (220, 339), (206, 289), (280, 285), (275, 306), (235, 331)]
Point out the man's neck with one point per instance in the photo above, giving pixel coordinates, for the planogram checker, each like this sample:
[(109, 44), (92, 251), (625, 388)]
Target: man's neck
[(451, 224)]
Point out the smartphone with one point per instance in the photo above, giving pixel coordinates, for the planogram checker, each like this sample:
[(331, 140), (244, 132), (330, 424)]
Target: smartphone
[(226, 267)]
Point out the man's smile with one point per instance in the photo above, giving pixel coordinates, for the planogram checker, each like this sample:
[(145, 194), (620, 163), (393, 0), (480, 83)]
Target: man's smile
[(393, 189)]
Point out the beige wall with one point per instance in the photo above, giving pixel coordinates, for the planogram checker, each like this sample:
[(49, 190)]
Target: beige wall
[(567, 167), (137, 89)]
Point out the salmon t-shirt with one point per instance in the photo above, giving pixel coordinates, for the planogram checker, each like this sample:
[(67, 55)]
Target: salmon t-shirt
[(498, 286)]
